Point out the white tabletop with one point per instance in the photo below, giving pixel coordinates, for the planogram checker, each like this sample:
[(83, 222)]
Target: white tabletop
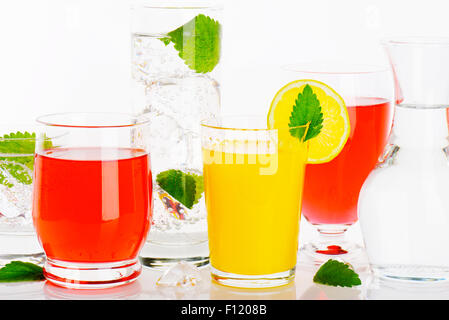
[(302, 288), (145, 288)]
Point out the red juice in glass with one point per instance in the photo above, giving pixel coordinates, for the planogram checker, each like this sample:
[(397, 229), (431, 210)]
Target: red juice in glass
[(92, 205), (331, 189)]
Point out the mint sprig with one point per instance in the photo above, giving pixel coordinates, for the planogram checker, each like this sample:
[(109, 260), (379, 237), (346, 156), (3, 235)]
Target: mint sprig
[(336, 273), (186, 188), (21, 271), (306, 110), (17, 170), (199, 187), (17, 157), (197, 43), (17, 167), (18, 143)]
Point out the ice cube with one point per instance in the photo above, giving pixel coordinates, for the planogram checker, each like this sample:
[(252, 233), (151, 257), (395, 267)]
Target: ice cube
[(7, 207), (181, 274), (167, 145), (176, 111), (15, 197), (154, 60)]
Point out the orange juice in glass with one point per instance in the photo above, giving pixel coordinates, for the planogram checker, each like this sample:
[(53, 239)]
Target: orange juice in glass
[(253, 180)]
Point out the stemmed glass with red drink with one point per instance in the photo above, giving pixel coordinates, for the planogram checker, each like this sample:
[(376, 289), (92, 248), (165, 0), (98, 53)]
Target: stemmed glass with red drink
[(331, 189)]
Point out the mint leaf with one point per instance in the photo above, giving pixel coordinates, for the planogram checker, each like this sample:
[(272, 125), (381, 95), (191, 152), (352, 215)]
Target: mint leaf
[(21, 271), (197, 43), (199, 187), (17, 170), (17, 157), (307, 110), (336, 273), (18, 143), (4, 179), (184, 187), (17, 167)]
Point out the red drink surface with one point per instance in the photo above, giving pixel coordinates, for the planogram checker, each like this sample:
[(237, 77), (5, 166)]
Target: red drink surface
[(92, 204), (331, 189)]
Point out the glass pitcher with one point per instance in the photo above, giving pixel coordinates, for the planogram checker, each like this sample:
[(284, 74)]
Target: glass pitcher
[(404, 203)]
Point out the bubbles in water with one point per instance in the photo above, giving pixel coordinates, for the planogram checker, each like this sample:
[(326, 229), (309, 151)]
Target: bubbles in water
[(153, 60), (15, 197), (175, 99)]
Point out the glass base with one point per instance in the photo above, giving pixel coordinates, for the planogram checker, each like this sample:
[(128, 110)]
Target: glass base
[(252, 281), (75, 275), (411, 274), (162, 257), (317, 253), (331, 243), (126, 291), (286, 292)]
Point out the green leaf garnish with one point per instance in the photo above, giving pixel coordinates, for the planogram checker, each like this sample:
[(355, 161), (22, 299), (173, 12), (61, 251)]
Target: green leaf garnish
[(336, 273), (17, 167), (18, 143), (197, 43), (186, 188), (307, 110), (199, 187), (21, 271), (17, 170), (17, 157)]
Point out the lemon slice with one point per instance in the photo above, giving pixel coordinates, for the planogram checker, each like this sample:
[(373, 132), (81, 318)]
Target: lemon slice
[(336, 128)]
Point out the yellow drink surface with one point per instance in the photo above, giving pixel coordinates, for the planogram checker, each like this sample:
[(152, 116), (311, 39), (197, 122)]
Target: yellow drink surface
[(253, 203)]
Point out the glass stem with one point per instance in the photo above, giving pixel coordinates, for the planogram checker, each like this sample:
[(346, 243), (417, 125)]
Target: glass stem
[(334, 232)]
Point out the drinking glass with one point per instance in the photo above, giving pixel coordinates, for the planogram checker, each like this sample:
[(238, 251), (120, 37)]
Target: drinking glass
[(175, 69), (92, 197), (18, 239), (404, 203), (253, 181), (331, 189)]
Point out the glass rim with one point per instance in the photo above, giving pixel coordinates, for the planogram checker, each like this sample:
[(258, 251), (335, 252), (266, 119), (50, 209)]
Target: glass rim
[(179, 5), (335, 68), (19, 139), (205, 124), (138, 120), (19, 128), (14, 128), (416, 41)]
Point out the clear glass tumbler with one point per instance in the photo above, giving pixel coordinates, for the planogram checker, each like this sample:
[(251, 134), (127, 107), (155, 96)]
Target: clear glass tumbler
[(18, 239), (176, 48), (331, 189), (404, 203), (92, 197), (253, 181)]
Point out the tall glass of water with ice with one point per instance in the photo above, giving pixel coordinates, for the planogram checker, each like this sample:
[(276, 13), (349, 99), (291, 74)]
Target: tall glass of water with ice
[(176, 48), (18, 240)]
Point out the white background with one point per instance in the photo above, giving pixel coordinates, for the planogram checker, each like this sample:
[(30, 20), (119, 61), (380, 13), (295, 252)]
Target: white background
[(73, 55), (60, 55)]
